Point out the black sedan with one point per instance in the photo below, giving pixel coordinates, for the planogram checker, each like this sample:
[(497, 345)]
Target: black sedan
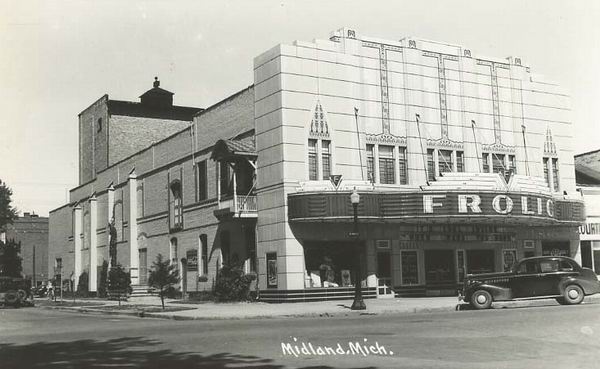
[(538, 277)]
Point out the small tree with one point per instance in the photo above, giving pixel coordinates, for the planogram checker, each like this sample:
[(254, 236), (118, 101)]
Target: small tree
[(103, 279), (7, 212), (162, 277), (10, 259), (119, 282)]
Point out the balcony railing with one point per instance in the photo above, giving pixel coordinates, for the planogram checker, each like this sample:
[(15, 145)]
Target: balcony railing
[(238, 205)]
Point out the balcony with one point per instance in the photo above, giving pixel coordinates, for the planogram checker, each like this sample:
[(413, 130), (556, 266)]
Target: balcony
[(237, 207)]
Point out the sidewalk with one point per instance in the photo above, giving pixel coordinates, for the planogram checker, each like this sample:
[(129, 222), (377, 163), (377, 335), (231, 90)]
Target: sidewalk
[(150, 307)]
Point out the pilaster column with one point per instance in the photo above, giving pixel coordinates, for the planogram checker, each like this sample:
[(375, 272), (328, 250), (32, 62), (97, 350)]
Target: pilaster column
[(110, 206), (77, 239), (133, 245), (93, 244)]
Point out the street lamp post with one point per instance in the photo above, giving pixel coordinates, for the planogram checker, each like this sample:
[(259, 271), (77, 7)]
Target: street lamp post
[(358, 303)]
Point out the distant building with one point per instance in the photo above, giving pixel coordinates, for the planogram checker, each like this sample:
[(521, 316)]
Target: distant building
[(587, 176), (31, 231), (463, 163)]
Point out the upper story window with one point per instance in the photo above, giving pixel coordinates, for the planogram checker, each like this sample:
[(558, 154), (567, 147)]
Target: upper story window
[(371, 163), (225, 177), (203, 254), (444, 161), (387, 174), (391, 165), (319, 159), (551, 175), (173, 251), (498, 163), (202, 180), (176, 205)]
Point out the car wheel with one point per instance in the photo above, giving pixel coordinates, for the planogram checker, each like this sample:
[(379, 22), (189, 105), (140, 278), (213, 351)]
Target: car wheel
[(573, 294), (481, 299), (11, 297)]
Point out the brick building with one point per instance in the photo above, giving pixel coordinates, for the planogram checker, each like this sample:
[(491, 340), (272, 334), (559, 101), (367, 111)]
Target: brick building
[(31, 231), (463, 163)]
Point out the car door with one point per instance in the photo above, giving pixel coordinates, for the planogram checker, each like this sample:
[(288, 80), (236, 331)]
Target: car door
[(523, 284), (550, 275)]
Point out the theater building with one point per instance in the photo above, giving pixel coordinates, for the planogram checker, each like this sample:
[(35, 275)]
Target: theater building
[(463, 164)]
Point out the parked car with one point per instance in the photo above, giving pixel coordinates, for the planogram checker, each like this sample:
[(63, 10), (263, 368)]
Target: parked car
[(537, 277), (15, 291)]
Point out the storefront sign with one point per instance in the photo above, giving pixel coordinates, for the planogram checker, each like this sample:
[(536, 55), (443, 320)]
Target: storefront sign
[(590, 228), (425, 204)]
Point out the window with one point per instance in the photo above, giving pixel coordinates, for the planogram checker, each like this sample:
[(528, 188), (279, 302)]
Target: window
[(319, 159), (530, 266), (485, 162), (173, 251), (371, 163), (546, 176), (177, 205), (402, 165), (566, 266), (386, 165), (460, 161), (555, 174), (204, 254), (548, 266), (430, 165), (512, 164), (312, 160), (99, 125), (225, 179), (445, 161), (498, 163), (326, 158), (202, 180)]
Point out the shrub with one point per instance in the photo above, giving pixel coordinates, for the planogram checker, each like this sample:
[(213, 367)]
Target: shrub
[(233, 284), (119, 282), (82, 284), (103, 280)]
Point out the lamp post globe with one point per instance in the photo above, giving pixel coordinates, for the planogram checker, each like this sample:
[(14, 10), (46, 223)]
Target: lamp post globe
[(358, 303)]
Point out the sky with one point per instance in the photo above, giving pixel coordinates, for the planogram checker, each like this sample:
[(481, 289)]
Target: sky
[(57, 57)]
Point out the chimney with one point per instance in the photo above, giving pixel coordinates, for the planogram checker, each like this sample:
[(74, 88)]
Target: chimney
[(26, 215)]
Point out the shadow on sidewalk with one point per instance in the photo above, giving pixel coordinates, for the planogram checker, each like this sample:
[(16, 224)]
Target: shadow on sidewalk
[(129, 352)]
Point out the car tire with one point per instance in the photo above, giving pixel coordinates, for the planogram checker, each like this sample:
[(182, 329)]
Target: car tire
[(481, 299), (573, 294), (11, 297), (561, 300)]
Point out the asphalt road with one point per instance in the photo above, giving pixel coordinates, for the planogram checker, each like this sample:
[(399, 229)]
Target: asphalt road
[(527, 337)]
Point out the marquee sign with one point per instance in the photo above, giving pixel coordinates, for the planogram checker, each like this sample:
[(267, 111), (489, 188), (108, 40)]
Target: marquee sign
[(435, 204)]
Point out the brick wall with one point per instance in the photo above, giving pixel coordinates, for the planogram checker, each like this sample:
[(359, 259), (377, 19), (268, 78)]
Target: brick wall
[(92, 141)]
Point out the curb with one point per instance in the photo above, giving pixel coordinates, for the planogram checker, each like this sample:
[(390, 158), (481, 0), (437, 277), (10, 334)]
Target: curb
[(417, 310)]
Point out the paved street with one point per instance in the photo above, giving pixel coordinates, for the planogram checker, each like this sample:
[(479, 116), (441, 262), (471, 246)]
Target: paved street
[(533, 337)]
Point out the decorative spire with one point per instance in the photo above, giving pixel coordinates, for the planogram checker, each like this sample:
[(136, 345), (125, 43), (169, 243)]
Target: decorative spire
[(549, 145), (156, 83), (318, 124)]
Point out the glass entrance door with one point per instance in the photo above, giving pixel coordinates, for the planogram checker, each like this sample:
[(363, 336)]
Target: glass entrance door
[(143, 265), (384, 274)]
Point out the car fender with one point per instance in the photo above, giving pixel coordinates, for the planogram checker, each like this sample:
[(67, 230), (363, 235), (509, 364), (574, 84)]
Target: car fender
[(588, 287), (498, 293)]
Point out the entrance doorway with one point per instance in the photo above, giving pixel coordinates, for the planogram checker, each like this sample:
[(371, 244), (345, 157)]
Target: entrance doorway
[(439, 267), (143, 265), (384, 274), (586, 254)]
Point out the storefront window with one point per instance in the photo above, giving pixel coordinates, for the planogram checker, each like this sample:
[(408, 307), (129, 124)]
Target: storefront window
[(271, 270), (329, 264), (410, 267)]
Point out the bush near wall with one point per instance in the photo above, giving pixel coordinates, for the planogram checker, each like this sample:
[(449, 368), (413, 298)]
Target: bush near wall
[(233, 284)]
